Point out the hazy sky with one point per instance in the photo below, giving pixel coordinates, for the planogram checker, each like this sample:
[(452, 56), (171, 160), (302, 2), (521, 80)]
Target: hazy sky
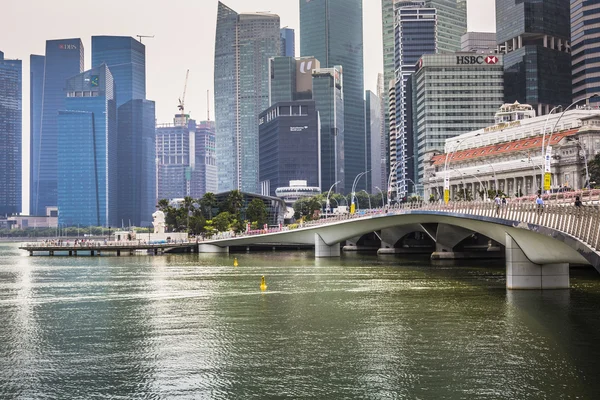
[(184, 39)]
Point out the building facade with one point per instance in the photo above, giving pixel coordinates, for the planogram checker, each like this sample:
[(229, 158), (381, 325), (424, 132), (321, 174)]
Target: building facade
[(87, 151), (332, 32), (11, 126), (377, 161), (288, 42), (289, 142), (36, 90), (585, 36), (204, 162), (479, 42), (416, 34), (244, 44), (535, 37), (173, 170), (453, 93), (507, 157), (392, 179), (136, 162), (63, 60)]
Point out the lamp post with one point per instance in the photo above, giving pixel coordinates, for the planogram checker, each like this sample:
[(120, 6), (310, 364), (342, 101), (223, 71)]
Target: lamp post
[(446, 176), (463, 183), (354, 188), (587, 172), (382, 198), (534, 174), (328, 194), (368, 197), (393, 169)]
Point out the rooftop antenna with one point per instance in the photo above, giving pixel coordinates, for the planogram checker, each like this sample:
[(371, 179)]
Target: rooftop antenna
[(144, 36)]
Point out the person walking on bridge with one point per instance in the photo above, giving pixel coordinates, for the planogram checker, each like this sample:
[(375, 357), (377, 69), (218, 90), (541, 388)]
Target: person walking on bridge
[(498, 203), (540, 204)]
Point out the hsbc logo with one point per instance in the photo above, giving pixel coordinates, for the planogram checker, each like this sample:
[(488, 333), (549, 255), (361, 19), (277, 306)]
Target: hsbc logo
[(474, 60), (67, 46)]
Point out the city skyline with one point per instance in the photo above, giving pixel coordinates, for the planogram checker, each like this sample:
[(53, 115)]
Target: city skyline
[(187, 47)]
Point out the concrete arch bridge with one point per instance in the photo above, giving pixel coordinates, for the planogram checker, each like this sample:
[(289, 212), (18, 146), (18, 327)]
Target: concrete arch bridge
[(539, 243)]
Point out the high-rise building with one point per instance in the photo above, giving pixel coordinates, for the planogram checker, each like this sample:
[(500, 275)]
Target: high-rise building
[(288, 42), (332, 32), (378, 146), (453, 93), (244, 44), (289, 142), (173, 170), (136, 162), (11, 125), (126, 59), (535, 36), (393, 176), (416, 33), (87, 151), (585, 36), (36, 89), (479, 42), (63, 60), (204, 162)]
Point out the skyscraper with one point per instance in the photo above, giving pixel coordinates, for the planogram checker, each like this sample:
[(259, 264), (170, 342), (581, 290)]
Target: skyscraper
[(126, 59), (87, 151), (11, 121), (204, 162), (378, 157), (416, 33), (479, 42), (174, 172), (36, 90), (332, 32), (535, 36), (288, 42), (64, 59), (584, 48), (244, 44), (136, 162)]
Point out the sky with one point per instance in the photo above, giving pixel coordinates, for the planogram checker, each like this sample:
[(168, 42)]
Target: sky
[(184, 35)]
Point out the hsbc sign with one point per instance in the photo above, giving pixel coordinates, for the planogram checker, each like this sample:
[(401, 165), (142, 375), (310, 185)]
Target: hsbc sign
[(67, 46), (469, 60)]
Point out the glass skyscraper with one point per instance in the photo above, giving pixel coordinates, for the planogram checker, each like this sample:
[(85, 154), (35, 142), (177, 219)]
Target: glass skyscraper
[(288, 42), (36, 90), (416, 32), (585, 52), (204, 162), (126, 60), (64, 59), (244, 44), (535, 37), (173, 159), (11, 119), (87, 151), (136, 162), (332, 32)]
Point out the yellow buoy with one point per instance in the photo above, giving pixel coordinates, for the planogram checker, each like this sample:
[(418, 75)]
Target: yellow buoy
[(263, 284), (235, 263)]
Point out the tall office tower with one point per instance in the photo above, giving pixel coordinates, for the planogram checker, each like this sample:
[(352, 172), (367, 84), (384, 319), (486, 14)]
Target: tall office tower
[(244, 44), (453, 93), (585, 15), (300, 80), (87, 150), (479, 42), (136, 163), (64, 59), (332, 32), (126, 59), (288, 42), (535, 37), (174, 173), (36, 90), (452, 23), (416, 33), (393, 176), (384, 171), (203, 162), (11, 121), (377, 161)]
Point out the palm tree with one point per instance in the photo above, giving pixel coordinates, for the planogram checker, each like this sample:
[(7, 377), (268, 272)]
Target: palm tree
[(208, 202)]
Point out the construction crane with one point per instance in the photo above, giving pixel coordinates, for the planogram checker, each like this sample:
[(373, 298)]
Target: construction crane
[(181, 105), (144, 36)]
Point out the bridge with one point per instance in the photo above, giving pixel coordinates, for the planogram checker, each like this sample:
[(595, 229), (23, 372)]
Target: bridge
[(539, 243)]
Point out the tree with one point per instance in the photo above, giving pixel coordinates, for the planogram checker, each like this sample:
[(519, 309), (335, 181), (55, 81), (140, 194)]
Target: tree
[(208, 202), (594, 170), (222, 221), (257, 212), (234, 202)]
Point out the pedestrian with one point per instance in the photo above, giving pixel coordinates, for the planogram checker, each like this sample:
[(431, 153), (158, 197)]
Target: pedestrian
[(540, 204), (498, 203), (503, 201), (577, 202)]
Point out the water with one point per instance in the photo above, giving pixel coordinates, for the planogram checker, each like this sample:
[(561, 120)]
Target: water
[(195, 327)]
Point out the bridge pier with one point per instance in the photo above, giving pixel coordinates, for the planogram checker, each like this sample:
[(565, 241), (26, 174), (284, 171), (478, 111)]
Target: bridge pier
[(211, 248), (323, 250), (523, 274)]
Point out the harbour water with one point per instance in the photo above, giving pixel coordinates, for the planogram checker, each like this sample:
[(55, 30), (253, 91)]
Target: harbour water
[(360, 327)]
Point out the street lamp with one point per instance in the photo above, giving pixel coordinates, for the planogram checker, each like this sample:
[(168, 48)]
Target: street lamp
[(329, 193), (382, 198), (587, 172), (535, 174), (368, 197), (463, 183), (454, 150), (393, 169), (354, 188)]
